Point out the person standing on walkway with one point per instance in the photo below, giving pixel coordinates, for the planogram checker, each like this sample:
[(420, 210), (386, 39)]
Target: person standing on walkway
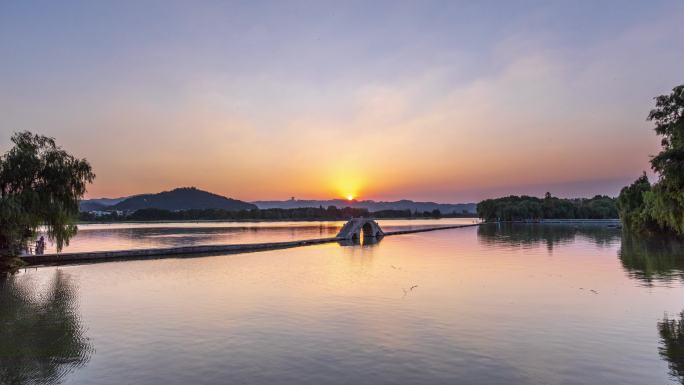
[(40, 246)]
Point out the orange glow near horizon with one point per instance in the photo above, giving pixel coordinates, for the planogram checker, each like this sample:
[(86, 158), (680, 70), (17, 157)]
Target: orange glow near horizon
[(276, 113), (346, 183)]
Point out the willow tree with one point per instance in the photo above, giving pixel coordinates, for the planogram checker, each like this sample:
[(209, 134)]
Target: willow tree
[(631, 206), (665, 203), (40, 187), (660, 208)]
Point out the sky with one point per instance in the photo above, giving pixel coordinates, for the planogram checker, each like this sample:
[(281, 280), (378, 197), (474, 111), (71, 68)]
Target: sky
[(449, 101)]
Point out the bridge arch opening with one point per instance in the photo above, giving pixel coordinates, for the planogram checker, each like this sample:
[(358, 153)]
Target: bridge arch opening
[(368, 230), (360, 228)]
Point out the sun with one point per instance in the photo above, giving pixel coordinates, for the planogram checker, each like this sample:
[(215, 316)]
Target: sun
[(350, 197)]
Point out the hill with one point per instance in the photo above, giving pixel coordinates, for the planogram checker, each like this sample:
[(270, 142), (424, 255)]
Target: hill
[(372, 206), (98, 203), (191, 198), (185, 198)]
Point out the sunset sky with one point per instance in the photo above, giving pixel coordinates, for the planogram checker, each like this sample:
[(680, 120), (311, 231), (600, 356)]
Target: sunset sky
[(444, 101)]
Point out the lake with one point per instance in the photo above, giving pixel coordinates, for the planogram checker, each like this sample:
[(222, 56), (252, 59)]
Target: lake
[(125, 236), (495, 304)]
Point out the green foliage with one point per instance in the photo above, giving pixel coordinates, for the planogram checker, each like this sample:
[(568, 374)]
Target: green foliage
[(669, 119), (660, 207), (516, 208), (40, 185), (631, 206), (665, 208)]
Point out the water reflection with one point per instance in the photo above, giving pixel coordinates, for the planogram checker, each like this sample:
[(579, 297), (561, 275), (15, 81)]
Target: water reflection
[(652, 259), (121, 236), (364, 241), (672, 344), (465, 305), (169, 236), (551, 235), (41, 336)]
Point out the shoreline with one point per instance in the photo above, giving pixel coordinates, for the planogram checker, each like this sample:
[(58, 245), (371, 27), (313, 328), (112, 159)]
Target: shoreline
[(198, 250), (221, 249), (263, 220)]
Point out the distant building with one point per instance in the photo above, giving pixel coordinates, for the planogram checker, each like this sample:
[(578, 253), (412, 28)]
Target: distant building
[(103, 213)]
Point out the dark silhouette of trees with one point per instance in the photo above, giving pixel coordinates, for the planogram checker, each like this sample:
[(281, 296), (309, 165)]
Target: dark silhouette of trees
[(515, 208), (631, 206), (183, 198), (275, 214), (40, 185), (330, 213), (661, 207)]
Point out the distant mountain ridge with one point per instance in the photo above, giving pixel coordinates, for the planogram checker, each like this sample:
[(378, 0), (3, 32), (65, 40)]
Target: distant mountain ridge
[(404, 204), (98, 203), (187, 198), (184, 198)]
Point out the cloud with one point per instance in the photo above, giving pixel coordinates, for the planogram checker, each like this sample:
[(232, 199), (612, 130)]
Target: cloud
[(430, 113)]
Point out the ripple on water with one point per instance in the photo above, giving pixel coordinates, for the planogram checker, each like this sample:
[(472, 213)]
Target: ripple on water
[(501, 305)]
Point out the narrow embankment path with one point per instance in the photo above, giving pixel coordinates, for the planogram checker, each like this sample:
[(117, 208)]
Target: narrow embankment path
[(199, 250), (399, 232)]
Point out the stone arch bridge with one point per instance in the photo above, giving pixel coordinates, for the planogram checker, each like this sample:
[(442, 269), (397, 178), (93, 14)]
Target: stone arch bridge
[(357, 226), (350, 233)]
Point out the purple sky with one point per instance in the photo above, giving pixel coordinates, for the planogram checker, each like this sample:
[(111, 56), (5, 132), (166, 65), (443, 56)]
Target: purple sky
[(445, 101)]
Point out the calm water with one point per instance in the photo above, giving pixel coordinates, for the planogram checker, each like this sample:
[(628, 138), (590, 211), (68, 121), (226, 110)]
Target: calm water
[(125, 236), (527, 304)]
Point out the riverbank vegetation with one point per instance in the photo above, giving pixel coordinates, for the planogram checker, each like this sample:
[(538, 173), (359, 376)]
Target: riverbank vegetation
[(659, 208), (518, 208), (330, 213), (40, 186), (643, 207)]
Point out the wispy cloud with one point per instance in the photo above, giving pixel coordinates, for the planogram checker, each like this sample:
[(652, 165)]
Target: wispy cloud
[(431, 102)]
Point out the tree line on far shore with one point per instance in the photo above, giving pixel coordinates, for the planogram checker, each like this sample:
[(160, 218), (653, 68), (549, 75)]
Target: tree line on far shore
[(642, 207), (41, 185), (306, 213), (516, 208)]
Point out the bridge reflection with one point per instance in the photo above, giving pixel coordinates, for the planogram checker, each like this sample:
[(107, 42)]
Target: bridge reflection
[(363, 241)]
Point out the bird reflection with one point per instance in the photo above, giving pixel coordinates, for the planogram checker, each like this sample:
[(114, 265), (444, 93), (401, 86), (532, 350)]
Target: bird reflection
[(672, 344), (41, 336)]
